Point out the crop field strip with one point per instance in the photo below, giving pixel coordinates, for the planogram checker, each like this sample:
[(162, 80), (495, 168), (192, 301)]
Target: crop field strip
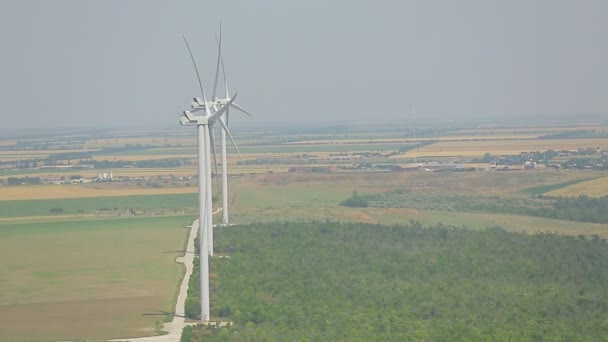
[(91, 173), (534, 129), (502, 147), (86, 205), (33, 192)]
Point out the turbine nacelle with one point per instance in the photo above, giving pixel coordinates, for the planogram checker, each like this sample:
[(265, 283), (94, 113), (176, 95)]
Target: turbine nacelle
[(187, 119), (211, 116), (200, 104)]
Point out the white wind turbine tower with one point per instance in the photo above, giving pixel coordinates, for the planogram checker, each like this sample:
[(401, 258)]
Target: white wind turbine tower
[(226, 101), (413, 123), (211, 113)]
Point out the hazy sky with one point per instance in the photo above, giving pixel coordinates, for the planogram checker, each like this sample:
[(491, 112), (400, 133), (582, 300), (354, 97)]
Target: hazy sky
[(91, 63)]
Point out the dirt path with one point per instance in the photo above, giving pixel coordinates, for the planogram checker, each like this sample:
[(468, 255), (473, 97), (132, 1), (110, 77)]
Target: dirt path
[(175, 327)]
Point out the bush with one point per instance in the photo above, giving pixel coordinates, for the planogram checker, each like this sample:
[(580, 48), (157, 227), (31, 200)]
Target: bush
[(356, 201)]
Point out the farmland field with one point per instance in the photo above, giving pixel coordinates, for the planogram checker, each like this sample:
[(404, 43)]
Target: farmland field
[(166, 203), (284, 197), (500, 147), (93, 279)]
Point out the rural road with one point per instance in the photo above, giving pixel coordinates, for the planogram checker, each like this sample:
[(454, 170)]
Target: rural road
[(175, 327)]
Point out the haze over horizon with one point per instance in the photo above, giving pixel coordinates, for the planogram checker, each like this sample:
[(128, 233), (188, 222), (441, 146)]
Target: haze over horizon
[(77, 63)]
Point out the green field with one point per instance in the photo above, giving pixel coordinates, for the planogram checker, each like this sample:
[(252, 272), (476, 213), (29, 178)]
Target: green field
[(88, 279), (162, 203), (470, 199)]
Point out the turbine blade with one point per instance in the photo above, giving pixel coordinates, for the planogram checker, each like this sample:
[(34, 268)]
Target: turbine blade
[(226, 92), (231, 138), (217, 66), (241, 109), (212, 141), (200, 83), (221, 111)]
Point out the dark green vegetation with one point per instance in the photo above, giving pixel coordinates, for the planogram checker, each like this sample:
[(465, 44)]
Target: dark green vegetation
[(356, 201), (359, 282), (581, 208), (23, 180)]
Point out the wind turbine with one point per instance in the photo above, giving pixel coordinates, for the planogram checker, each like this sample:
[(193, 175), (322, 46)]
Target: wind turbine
[(414, 125), (226, 101), (211, 113)]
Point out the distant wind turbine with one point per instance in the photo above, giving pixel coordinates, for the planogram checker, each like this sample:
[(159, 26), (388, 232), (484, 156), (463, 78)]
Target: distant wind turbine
[(219, 102)]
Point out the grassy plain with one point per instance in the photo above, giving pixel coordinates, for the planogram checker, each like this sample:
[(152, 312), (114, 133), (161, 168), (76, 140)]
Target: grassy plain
[(310, 197), (88, 279)]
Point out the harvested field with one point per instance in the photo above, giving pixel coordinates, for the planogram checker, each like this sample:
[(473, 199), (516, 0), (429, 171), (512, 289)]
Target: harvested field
[(592, 188)]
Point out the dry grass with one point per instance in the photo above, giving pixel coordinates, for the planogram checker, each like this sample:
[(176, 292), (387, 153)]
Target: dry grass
[(593, 188), (25, 192)]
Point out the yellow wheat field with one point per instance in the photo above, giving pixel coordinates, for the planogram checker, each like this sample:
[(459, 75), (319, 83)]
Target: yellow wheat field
[(593, 188), (478, 148), (8, 193)]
